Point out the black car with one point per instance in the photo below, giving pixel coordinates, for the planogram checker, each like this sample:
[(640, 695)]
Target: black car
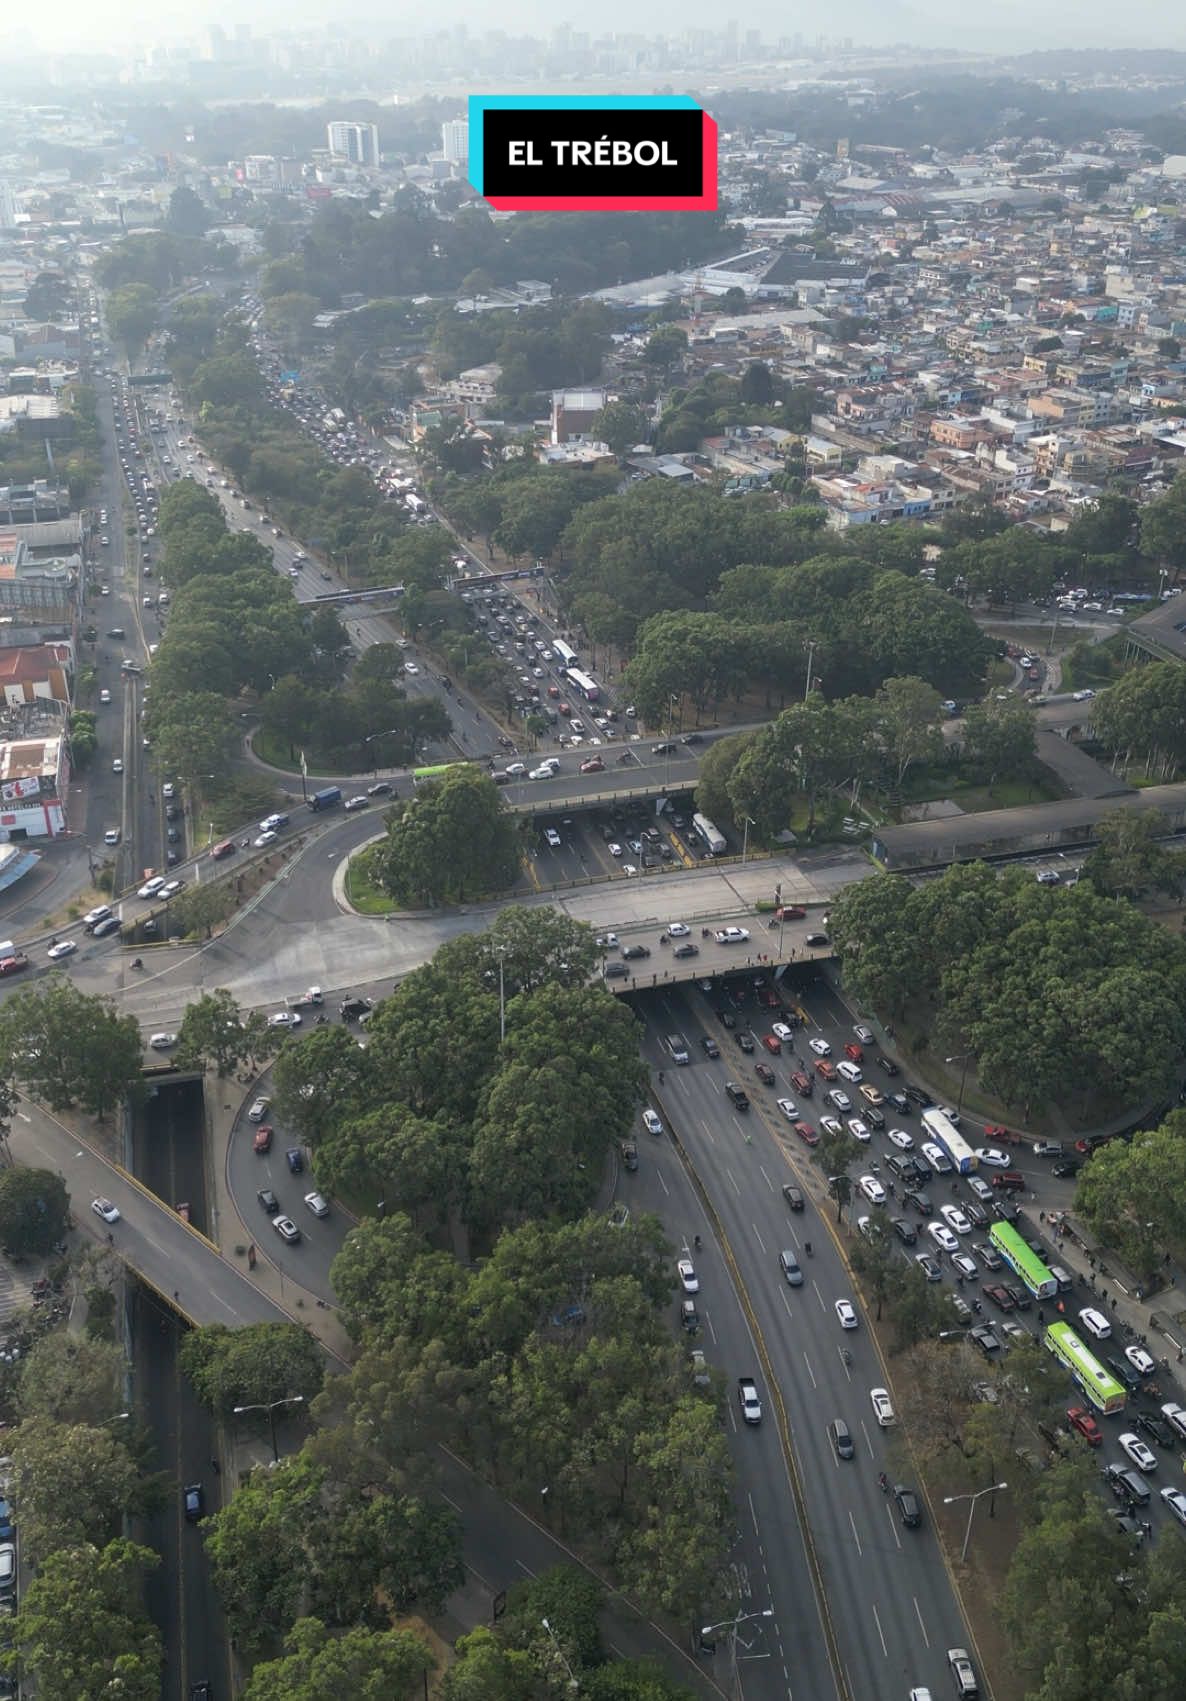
[(976, 1214), (630, 952), (1156, 1428), (1019, 1296), (1066, 1168), (900, 1103), (765, 1074), (728, 1019), (907, 1503), (710, 1046), (1125, 1373), (736, 1095), (350, 1009), (793, 1197), (888, 1065), (745, 1041), (918, 1201), (379, 789), (686, 949), (194, 1500), (268, 1200), (906, 1232), (873, 1117), (629, 1154), (924, 1101)]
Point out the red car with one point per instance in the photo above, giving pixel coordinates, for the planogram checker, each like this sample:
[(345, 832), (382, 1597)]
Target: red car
[(807, 1133), (772, 1043), (768, 997), (791, 912), (995, 1135), (854, 1053), (13, 965), (825, 1067), (593, 766), (802, 1083), (263, 1138), (764, 1073), (1086, 1425), (1009, 1181)]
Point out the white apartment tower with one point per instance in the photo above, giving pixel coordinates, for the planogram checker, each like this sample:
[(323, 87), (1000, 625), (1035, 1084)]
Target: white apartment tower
[(455, 140), (358, 143)]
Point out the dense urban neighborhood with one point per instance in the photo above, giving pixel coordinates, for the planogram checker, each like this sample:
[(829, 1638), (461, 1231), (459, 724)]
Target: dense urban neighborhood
[(593, 1001)]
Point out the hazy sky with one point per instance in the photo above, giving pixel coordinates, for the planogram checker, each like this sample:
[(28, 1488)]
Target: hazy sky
[(1004, 25)]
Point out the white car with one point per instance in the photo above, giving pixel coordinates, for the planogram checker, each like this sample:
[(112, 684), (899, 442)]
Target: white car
[(410, 667), (552, 837), (105, 1209), (993, 1157), (285, 1019), (678, 930), (117, 767), (883, 1409), (1175, 1501), (898, 1137), (168, 791), (731, 935), (163, 1042), (317, 1204), (782, 1032), (104, 696), (872, 1189), (858, 1129), (840, 1099), (1095, 1323), (789, 1108), (651, 1122), (541, 773), (272, 823), (846, 1312), (943, 1237), (1082, 696), (111, 836), (608, 941), (864, 1034), (63, 948), (628, 868), (516, 770), (955, 1219), (151, 887), (262, 839), (1142, 1457), (688, 1279), (614, 848), (1141, 1361), (171, 888), (820, 1047)]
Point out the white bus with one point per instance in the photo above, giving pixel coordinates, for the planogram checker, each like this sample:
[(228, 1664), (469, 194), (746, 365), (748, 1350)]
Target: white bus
[(948, 1139), (564, 655), (588, 688), (710, 836)]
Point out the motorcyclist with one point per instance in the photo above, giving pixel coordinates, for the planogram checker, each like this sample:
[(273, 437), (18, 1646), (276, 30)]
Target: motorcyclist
[(807, 1247)]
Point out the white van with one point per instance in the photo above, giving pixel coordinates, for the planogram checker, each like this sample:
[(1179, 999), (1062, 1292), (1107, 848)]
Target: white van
[(849, 1071)]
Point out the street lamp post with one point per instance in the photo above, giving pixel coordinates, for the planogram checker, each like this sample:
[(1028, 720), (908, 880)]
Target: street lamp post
[(270, 1407), (733, 1626), (964, 1057), (950, 1500), (749, 822), (502, 995), (370, 738)]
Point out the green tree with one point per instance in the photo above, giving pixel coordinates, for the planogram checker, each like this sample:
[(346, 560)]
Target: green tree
[(48, 297), (214, 1030), (82, 1632), (1163, 526), (999, 737), (69, 1483), (872, 927), (1130, 858), (252, 1365), (621, 425), (485, 1670), (34, 1210), (132, 315), (1132, 1196), (452, 841), (70, 1047), (908, 714), (757, 384), (193, 734), (197, 912), (365, 1665), (71, 1379), (321, 1081), (714, 781), (187, 214), (665, 346)]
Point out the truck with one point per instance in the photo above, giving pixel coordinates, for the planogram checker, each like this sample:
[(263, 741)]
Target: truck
[(326, 798), (303, 1000), (747, 1394)]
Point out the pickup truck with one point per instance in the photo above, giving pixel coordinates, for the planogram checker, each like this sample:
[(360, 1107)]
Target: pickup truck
[(747, 1393), (303, 1000)]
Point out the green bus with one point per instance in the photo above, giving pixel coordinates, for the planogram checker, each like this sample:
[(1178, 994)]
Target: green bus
[(1100, 1387), (436, 770), (1022, 1261)]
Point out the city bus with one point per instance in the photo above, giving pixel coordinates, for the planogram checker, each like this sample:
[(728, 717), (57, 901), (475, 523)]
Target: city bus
[(436, 770), (588, 688), (566, 656), (1022, 1261), (948, 1138), (1101, 1388), (711, 837)]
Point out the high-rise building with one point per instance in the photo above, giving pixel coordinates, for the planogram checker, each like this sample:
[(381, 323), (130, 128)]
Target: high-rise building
[(7, 206), (358, 143), (455, 140)]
